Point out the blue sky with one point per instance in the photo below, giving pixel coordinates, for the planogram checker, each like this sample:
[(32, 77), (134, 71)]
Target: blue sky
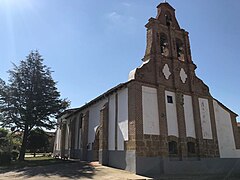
[(92, 45)]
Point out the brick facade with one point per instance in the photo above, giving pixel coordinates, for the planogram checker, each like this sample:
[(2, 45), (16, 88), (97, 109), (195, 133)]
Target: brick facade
[(150, 74)]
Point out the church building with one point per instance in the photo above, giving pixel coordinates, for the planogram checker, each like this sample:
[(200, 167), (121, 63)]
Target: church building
[(162, 120)]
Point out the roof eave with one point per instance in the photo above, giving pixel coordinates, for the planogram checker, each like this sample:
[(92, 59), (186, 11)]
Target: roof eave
[(104, 95)]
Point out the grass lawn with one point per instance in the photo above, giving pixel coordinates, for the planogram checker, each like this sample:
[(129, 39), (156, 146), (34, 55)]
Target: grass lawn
[(34, 161)]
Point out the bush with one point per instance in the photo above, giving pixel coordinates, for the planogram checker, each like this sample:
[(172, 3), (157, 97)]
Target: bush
[(5, 158), (15, 154)]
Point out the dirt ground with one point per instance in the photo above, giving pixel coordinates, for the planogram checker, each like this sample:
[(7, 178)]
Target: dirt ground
[(76, 170)]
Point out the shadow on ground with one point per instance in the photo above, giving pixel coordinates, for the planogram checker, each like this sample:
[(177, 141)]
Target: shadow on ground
[(68, 170), (195, 177)]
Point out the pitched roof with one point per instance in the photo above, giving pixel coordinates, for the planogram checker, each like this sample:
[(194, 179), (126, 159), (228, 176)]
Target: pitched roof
[(226, 108), (104, 95), (165, 4), (66, 112)]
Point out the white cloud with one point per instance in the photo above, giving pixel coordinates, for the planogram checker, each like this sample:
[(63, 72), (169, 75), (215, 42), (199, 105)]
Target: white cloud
[(126, 4), (116, 20), (114, 16)]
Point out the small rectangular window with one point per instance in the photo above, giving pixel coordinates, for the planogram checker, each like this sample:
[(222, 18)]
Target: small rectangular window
[(169, 99)]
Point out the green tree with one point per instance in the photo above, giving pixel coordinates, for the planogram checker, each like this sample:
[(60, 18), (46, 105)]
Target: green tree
[(30, 99), (4, 140), (37, 140), (16, 140)]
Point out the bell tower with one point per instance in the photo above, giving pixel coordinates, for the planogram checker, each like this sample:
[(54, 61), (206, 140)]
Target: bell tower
[(168, 67), (167, 60), (165, 37)]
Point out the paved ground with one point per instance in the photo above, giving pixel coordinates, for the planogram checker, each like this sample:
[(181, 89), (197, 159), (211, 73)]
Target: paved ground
[(76, 170), (84, 171)]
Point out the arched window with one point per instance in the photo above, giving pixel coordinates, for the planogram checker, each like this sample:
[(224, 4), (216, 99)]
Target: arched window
[(180, 50), (164, 44), (168, 17), (191, 147), (172, 147)]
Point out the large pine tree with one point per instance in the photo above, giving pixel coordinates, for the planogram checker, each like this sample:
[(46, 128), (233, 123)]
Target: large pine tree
[(30, 99)]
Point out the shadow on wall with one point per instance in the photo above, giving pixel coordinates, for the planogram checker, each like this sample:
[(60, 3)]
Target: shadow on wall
[(117, 158), (120, 140)]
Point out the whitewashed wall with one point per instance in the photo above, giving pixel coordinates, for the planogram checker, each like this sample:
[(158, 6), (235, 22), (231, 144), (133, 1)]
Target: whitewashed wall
[(150, 111), (189, 118), (94, 120), (76, 132), (172, 123), (111, 122), (58, 140), (122, 116), (80, 139), (67, 146), (205, 118), (226, 142), (79, 134)]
